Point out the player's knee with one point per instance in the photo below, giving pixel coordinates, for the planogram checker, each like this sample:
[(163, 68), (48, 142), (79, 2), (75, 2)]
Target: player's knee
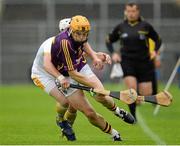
[(60, 105), (100, 97), (91, 114), (145, 92), (103, 99), (71, 109), (65, 104)]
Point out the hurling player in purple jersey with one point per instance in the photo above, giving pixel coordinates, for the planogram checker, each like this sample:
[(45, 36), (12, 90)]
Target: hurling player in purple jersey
[(70, 114)]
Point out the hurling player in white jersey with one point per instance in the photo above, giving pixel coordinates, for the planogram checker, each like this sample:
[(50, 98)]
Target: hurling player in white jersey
[(46, 81)]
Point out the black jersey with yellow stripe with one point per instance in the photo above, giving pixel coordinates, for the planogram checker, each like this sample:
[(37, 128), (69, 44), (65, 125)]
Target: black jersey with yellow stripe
[(134, 39)]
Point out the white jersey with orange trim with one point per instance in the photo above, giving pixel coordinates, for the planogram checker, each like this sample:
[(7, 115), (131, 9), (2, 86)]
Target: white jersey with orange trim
[(39, 75), (37, 67)]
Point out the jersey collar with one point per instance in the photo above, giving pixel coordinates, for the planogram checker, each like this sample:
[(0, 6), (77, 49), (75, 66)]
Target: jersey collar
[(135, 22)]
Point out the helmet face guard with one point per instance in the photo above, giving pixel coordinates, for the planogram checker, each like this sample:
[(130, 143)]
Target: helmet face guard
[(80, 36), (80, 28)]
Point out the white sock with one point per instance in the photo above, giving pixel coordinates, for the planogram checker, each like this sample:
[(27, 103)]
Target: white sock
[(114, 133), (117, 110)]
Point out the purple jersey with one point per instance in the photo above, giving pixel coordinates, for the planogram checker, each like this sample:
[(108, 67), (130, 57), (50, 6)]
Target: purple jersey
[(66, 54)]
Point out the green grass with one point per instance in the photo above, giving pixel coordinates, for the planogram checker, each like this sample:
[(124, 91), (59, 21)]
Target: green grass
[(27, 116)]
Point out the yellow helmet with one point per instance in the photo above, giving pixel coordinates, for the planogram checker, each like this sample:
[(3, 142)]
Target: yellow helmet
[(80, 23)]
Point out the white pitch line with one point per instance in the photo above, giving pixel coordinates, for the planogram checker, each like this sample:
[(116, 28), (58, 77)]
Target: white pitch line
[(156, 110), (148, 131)]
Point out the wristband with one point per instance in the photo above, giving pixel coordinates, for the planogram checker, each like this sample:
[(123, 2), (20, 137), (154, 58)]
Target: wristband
[(60, 78)]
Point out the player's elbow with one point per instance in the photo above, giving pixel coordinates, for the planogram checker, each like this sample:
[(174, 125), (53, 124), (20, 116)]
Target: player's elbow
[(46, 65), (75, 75), (72, 74)]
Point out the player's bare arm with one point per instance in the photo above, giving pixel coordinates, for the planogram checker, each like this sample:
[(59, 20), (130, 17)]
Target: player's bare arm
[(85, 80), (97, 63), (50, 68), (98, 57)]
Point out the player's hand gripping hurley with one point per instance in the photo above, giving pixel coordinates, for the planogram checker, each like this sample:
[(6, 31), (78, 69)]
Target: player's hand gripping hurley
[(127, 96)]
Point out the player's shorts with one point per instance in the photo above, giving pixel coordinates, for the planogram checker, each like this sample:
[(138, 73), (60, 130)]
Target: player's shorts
[(47, 82), (142, 70)]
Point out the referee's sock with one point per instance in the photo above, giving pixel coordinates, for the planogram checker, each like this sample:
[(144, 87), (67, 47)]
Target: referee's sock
[(132, 108)]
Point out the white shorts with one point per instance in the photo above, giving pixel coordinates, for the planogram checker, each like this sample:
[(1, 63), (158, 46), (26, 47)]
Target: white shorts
[(47, 82)]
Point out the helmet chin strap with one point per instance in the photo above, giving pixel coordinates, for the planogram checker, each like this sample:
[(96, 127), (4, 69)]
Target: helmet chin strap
[(81, 42), (85, 41), (69, 32)]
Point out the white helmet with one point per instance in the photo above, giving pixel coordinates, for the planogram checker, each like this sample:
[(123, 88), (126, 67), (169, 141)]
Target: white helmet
[(64, 23)]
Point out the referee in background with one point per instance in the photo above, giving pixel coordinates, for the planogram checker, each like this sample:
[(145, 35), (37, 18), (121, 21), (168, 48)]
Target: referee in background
[(136, 61)]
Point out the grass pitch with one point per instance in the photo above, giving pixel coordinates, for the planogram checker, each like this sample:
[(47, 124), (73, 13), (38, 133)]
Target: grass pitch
[(27, 116)]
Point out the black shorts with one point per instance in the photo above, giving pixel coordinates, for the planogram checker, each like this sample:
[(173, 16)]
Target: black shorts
[(143, 71)]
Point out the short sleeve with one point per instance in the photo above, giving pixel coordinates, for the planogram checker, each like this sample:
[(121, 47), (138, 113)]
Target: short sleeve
[(47, 45)]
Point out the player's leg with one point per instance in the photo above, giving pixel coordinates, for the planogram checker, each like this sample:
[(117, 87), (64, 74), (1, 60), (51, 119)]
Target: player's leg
[(63, 105), (46, 82), (60, 111), (131, 82), (146, 74), (109, 103), (130, 79), (80, 102), (145, 88), (154, 83), (70, 115)]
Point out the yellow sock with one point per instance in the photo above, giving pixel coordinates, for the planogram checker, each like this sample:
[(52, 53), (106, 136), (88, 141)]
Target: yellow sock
[(61, 111), (70, 117)]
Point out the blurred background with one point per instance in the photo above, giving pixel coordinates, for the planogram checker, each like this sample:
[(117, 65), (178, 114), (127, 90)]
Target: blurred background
[(25, 24)]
